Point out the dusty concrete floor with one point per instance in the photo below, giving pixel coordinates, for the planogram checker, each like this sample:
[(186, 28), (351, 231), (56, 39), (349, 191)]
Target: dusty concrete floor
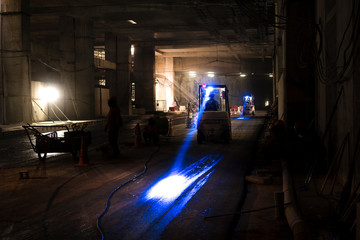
[(63, 201)]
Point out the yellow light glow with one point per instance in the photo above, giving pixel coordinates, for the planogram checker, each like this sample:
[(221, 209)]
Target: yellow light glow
[(48, 94), (169, 96), (132, 50), (242, 75), (132, 21), (211, 74), (192, 74)]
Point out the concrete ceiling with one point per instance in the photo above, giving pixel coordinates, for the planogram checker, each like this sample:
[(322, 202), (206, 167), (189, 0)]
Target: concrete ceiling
[(228, 29)]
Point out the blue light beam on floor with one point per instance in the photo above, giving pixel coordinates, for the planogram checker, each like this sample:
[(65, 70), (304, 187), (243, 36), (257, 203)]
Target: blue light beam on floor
[(176, 209), (172, 186), (166, 199), (178, 164)]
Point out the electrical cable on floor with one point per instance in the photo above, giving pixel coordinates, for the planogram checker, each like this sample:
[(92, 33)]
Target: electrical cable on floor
[(120, 186), (248, 211)]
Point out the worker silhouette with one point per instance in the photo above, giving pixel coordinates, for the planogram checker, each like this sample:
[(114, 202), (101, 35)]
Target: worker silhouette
[(114, 122), (212, 104)]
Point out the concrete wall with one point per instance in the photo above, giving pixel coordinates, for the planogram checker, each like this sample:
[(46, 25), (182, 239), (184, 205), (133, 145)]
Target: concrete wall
[(355, 113), (279, 83), (299, 75), (338, 78), (15, 102), (319, 80), (68, 63)]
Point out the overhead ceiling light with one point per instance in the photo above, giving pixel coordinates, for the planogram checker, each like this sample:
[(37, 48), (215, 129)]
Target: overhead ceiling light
[(192, 74), (132, 21), (270, 75), (132, 50), (242, 75), (211, 74)]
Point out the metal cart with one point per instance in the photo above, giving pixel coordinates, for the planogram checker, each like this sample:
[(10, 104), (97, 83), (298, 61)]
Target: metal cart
[(50, 142)]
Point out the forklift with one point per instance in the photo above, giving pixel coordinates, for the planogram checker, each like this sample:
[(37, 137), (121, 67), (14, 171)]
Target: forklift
[(214, 124), (249, 106)]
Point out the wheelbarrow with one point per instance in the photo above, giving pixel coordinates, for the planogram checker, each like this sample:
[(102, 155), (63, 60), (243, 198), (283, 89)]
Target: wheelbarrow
[(50, 142)]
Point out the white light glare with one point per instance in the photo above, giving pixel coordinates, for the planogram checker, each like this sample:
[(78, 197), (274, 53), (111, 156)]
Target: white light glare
[(208, 91), (211, 74), (242, 75), (192, 74), (49, 94), (267, 103), (132, 21), (270, 75), (132, 50), (173, 186)]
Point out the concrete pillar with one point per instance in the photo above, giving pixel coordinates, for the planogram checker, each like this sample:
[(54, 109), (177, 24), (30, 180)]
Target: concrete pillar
[(111, 55), (123, 75), (164, 86), (169, 73), (15, 92), (67, 63), (144, 63), (84, 68), (118, 50), (110, 47), (76, 44)]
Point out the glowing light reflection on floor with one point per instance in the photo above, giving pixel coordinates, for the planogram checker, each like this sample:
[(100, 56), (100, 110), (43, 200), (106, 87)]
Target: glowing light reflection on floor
[(169, 196), (243, 118), (171, 187), (176, 209)]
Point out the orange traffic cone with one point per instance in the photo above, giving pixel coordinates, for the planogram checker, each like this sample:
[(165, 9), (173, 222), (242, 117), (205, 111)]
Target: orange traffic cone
[(138, 140), (171, 128), (83, 154)]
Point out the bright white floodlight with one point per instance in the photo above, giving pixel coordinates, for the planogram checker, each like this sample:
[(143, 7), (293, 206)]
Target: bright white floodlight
[(49, 94)]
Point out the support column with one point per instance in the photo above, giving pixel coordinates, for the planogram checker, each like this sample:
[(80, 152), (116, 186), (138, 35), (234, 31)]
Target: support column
[(144, 63), (111, 55), (110, 74), (67, 63), (118, 51), (84, 68), (122, 88), (164, 85), (169, 73), (15, 92), (76, 44)]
